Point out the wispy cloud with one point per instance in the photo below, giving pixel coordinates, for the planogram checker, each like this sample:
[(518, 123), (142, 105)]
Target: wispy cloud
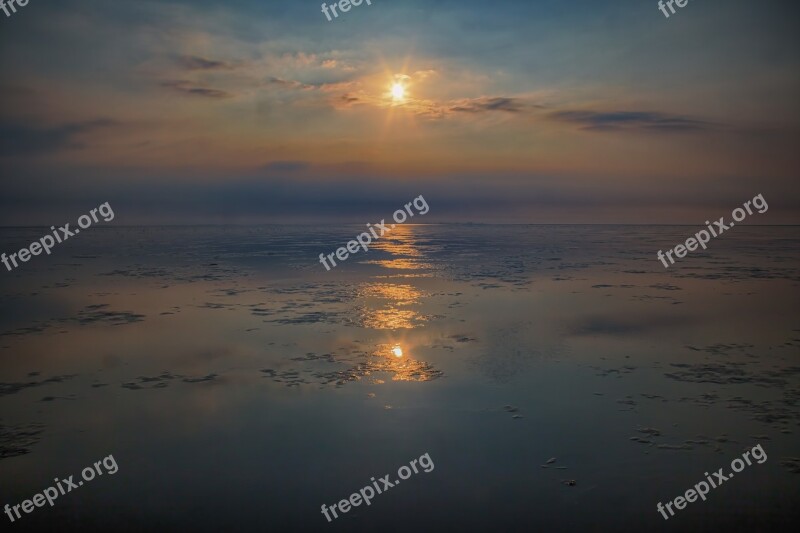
[(488, 104), (640, 121), (289, 84), (201, 63), (188, 87), (20, 139)]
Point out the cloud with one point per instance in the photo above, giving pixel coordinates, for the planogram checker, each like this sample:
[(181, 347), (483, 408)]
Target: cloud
[(341, 86), (301, 59), (200, 63), (21, 139), (422, 75), (642, 121), (289, 84), (188, 87), (348, 99), (487, 104)]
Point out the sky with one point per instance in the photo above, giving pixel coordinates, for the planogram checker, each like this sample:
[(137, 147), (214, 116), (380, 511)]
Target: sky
[(534, 111)]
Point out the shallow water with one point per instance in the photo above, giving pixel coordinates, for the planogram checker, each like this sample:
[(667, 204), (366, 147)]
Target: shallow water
[(239, 385)]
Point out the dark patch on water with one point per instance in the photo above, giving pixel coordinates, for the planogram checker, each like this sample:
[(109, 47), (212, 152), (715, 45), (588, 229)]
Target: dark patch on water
[(96, 313), (13, 388), (163, 380), (18, 440)]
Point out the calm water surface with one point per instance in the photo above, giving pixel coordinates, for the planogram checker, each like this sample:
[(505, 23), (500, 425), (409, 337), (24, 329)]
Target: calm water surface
[(239, 385)]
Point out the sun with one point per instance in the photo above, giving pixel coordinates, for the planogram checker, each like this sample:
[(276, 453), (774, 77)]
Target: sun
[(397, 351), (398, 91)]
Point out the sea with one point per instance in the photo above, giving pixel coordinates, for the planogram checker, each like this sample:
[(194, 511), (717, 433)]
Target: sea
[(559, 378)]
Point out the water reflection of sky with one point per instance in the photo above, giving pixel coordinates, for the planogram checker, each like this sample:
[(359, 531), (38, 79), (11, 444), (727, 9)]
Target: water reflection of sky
[(190, 358)]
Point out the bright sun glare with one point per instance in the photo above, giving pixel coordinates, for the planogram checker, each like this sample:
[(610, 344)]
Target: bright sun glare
[(398, 91), (397, 351)]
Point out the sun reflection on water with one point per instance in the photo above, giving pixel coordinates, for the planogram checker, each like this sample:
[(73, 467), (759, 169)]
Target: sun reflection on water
[(386, 306), (401, 243), (394, 359)]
